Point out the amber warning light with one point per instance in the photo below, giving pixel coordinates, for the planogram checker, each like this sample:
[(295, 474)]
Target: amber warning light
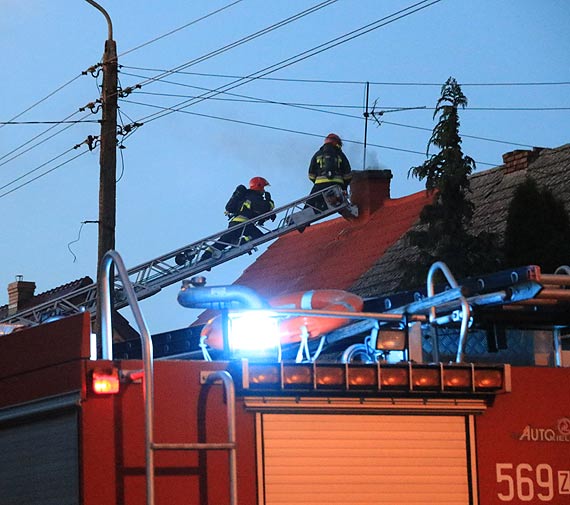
[(105, 382)]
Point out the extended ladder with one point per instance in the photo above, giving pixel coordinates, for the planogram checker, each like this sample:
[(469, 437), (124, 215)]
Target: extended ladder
[(149, 278)]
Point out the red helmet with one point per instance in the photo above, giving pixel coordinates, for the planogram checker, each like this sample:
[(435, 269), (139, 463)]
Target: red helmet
[(333, 138), (258, 183)]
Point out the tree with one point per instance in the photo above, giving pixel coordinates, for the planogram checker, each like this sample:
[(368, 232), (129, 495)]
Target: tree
[(442, 234), (538, 229)]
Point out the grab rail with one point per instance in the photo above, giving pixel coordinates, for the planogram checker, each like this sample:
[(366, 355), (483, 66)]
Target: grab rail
[(106, 336), (465, 311)]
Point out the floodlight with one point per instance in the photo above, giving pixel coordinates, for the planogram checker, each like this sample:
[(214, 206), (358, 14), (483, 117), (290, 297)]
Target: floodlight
[(253, 333), (391, 340)]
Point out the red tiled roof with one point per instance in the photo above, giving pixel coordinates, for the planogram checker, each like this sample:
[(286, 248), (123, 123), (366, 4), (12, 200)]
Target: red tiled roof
[(332, 254)]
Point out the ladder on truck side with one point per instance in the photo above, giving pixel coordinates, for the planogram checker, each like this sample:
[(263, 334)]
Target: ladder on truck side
[(147, 378), (149, 278)]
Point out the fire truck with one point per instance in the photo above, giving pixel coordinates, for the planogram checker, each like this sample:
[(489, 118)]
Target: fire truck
[(377, 421)]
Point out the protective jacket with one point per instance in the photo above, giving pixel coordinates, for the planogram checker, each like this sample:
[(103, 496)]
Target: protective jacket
[(330, 165), (253, 204)]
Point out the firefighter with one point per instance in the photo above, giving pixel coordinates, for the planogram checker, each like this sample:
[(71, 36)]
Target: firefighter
[(243, 205), (329, 166)]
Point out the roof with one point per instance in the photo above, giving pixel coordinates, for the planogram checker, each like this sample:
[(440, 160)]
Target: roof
[(49, 295), (363, 256), (333, 254), (123, 330), (491, 194)]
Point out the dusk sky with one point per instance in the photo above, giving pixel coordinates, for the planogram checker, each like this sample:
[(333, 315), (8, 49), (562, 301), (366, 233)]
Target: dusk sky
[(178, 169)]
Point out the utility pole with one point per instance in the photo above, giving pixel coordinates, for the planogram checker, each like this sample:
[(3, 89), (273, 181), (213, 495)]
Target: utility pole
[(108, 145), (366, 114), (108, 148)]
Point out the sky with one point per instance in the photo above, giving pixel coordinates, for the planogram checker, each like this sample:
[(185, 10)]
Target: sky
[(177, 170)]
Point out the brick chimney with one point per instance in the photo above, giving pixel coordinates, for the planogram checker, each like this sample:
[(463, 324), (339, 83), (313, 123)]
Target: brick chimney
[(369, 189), (19, 293), (519, 159)]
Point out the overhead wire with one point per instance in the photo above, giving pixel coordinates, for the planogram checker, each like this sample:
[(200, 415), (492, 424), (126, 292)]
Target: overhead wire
[(343, 81), (312, 107), (402, 13), (40, 101), (193, 22), (475, 137), (288, 130), (47, 122), (56, 123), (219, 51), (38, 143), (241, 41), (9, 121), (2, 195)]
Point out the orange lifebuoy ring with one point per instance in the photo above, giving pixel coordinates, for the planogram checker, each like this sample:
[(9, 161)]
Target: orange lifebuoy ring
[(292, 329)]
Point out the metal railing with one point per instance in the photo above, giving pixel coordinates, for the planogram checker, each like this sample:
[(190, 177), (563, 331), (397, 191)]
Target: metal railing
[(104, 313)]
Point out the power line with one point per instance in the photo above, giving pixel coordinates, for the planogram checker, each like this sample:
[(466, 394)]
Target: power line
[(12, 120), (241, 41), (287, 130), (309, 53), (462, 135), (180, 28), (245, 99), (47, 122), (337, 106), (39, 143), (511, 109), (40, 175), (313, 108), (341, 81), (40, 101)]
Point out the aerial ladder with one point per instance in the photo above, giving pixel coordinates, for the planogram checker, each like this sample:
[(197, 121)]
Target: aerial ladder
[(149, 278)]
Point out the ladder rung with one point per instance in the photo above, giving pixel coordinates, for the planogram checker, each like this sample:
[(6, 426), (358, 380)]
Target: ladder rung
[(193, 447)]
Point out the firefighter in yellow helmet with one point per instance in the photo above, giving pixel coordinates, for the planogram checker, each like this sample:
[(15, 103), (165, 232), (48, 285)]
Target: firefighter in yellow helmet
[(329, 166), (244, 204)]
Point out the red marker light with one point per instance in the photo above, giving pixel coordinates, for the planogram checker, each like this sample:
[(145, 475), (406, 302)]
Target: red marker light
[(106, 382)]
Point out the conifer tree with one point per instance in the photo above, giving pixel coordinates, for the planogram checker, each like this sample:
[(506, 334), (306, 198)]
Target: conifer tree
[(444, 224)]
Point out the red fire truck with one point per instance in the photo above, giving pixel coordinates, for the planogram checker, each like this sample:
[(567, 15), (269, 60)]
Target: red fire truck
[(79, 430)]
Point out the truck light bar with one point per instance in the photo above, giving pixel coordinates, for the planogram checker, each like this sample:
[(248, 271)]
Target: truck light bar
[(388, 378)]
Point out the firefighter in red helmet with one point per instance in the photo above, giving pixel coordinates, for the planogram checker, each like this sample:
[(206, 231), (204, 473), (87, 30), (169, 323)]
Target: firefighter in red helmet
[(244, 204)]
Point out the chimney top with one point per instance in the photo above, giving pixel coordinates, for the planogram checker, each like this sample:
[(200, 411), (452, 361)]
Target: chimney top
[(19, 292), (519, 159), (369, 189)]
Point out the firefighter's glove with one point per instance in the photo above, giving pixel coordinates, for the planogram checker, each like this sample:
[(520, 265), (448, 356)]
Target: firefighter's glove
[(272, 217)]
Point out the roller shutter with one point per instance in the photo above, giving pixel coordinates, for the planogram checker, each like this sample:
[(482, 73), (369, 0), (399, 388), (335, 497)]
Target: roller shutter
[(357, 459), (39, 458)]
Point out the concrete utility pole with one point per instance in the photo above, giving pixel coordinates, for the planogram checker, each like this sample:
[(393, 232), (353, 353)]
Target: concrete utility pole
[(108, 147)]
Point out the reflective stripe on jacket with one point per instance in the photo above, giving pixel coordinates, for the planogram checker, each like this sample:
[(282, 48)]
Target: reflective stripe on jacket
[(254, 204), (329, 164)]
